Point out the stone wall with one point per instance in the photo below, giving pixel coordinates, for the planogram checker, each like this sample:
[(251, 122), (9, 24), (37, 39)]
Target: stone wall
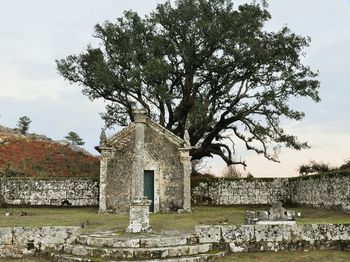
[(243, 238), (49, 191), (330, 191), (241, 191), (22, 241), (1, 195)]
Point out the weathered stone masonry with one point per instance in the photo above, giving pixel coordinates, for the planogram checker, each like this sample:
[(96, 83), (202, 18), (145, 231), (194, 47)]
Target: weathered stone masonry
[(20, 241), (243, 238), (144, 149), (241, 191), (1, 194), (329, 191), (49, 191)]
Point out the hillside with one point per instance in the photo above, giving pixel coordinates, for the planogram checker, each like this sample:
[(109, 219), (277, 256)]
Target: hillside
[(34, 155)]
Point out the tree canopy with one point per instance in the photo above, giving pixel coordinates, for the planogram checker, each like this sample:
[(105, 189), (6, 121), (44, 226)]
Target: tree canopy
[(74, 138), (206, 66), (23, 124)]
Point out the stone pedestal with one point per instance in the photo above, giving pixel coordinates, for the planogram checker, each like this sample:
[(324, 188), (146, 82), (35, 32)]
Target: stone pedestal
[(139, 215)]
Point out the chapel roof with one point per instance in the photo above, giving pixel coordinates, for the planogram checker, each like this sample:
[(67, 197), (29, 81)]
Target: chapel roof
[(121, 138), (124, 135)]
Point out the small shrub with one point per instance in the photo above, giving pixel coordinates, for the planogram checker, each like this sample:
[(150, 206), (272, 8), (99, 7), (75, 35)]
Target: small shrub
[(345, 165), (11, 172), (314, 168), (250, 176), (232, 172), (199, 177)]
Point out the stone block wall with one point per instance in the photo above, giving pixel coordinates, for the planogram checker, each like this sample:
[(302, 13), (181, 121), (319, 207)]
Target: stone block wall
[(49, 191), (243, 238), (23, 241), (1, 195), (241, 191), (329, 191)]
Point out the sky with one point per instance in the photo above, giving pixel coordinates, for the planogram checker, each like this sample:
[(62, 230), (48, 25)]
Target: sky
[(36, 32)]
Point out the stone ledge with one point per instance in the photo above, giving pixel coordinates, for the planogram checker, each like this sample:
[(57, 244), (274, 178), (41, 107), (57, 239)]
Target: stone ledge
[(276, 237), (20, 241), (289, 223)]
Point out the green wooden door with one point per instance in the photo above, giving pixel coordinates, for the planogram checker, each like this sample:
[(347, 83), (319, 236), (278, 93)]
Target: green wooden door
[(148, 187)]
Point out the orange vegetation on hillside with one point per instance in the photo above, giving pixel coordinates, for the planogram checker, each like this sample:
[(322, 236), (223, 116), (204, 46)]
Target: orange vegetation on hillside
[(20, 155)]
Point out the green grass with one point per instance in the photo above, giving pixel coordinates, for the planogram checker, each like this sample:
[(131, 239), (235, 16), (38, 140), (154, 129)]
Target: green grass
[(37, 217), (322, 216), (285, 256), (201, 215), (288, 256), (25, 259)]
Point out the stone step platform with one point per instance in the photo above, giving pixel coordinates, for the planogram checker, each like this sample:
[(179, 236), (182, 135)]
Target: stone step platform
[(141, 253), (110, 239), (212, 257), (110, 246)]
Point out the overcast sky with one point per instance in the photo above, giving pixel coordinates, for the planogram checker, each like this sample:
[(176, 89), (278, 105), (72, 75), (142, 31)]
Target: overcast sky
[(36, 32)]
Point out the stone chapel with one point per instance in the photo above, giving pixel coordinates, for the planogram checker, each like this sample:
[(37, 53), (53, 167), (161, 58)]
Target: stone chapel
[(147, 160)]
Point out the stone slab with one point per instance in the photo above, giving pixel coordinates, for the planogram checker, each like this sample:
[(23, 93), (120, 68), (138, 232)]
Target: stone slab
[(276, 222)]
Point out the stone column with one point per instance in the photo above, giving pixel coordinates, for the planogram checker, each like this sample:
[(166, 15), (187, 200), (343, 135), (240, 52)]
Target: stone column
[(185, 159), (106, 155), (140, 118), (139, 206)]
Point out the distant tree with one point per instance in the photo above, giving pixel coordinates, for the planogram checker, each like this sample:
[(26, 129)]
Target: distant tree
[(23, 124), (197, 165), (74, 138), (232, 172), (345, 165), (313, 168)]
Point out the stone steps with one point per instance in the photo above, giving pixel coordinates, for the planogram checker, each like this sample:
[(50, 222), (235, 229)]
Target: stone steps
[(110, 246), (110, 240), (212, 257), (138, 252)]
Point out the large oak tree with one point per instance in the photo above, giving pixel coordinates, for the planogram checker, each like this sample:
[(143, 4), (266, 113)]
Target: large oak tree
[(202, 65)]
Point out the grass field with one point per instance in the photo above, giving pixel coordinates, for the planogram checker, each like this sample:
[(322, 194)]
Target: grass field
[(295, 256), (200, 215), (26, 259), (286, 256)]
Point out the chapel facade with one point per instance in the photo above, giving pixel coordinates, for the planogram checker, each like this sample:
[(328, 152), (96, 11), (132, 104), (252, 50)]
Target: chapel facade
[(144, 159)]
